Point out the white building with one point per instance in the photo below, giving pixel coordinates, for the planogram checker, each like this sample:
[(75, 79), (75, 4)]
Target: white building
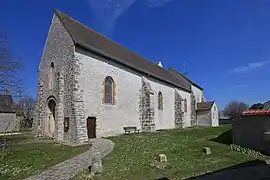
[(90, 86)]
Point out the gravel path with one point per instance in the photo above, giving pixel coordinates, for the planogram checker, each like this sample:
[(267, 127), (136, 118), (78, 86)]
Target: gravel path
[(71, 167)]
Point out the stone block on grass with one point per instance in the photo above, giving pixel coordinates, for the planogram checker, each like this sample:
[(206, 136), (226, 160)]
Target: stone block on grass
[(207, 150)]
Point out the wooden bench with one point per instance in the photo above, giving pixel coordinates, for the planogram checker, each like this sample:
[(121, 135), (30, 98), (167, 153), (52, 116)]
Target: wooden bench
[(129, 129)]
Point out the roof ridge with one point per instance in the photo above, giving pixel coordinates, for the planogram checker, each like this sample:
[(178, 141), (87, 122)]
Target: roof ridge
[(91, 40), (93, 30)]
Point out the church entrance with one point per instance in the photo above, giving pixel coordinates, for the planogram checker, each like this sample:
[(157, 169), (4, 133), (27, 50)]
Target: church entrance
[(49, 121), (51, 106), (91, 127)]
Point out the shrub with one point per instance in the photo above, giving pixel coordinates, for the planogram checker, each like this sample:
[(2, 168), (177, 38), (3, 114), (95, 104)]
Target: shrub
[(246, 151)]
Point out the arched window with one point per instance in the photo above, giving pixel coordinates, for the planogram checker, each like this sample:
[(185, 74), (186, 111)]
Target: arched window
[(160, 101), (51, 76), (185, 105), (109, 91)]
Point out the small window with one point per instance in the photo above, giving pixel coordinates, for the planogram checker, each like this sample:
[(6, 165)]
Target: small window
[(66, 124), (185, 105), (51, 76), (215, 108), (160, 101), (109, 91)]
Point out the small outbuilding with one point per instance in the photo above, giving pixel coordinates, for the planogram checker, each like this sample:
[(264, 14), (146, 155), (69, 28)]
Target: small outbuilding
[(9, 120), (207, 114)]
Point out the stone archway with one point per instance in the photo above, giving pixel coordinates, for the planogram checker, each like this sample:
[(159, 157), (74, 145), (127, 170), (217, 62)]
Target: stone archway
[(50, 119)]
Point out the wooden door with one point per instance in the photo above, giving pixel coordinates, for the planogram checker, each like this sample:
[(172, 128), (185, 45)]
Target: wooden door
[(91, 127)]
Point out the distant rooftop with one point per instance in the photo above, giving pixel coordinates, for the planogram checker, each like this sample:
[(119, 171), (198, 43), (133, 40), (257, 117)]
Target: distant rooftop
[(256, 112), (6, 104)]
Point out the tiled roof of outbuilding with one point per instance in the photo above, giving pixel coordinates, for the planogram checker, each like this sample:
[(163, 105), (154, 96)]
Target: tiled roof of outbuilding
[(205, 106), (256, 112)]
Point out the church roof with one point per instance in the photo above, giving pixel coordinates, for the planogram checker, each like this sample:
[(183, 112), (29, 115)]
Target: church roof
[(6, 104), (92, 41), (181, 77), (205, 106)]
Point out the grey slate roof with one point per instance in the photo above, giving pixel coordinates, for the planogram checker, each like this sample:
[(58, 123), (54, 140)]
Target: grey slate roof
[(91, 40), (183, 78), (205, 106), (6, 104)]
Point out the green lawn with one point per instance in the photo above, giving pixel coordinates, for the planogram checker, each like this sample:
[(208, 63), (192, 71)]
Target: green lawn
[(133, 154), (27, 156)]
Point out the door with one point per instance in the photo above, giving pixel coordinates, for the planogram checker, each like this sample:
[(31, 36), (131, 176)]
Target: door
[(91, 127)]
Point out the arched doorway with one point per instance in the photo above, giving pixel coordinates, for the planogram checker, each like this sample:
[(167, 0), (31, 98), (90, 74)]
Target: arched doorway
[(50, 117)]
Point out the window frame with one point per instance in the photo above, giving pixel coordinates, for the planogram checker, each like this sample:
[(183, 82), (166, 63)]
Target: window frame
[(160, 100), (51, 76), (185, 105), (109, 94)]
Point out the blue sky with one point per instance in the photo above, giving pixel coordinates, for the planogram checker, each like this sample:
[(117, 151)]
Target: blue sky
[(225, 44)]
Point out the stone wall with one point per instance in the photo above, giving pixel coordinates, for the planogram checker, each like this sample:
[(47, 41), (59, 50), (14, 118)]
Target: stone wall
[(193, 116), (248, 131), (204, 118), (9, 122), (198, 93), (59, 49), (128, 96), (146, 105), (178, 110)]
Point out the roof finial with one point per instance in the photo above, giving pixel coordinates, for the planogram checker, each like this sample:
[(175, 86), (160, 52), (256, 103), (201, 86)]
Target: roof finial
[(160, 64)]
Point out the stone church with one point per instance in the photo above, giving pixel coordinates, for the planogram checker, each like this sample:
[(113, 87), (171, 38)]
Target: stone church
[(90, 86)]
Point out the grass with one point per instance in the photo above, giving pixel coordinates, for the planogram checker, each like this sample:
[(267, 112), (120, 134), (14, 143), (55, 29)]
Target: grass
[(26, 156), (133, 154)]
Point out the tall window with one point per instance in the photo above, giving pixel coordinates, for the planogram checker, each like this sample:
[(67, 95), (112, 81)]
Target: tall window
[(185, 105), (109, 91), (160, 101), (51, 76)]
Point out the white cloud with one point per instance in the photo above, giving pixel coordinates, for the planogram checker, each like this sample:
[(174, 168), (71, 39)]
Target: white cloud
[(157, 3), (108, 11), (239, 86), (248, 67)]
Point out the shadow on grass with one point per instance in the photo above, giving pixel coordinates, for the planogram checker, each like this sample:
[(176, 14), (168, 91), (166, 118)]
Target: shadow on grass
[(224, 138), (255, 169)]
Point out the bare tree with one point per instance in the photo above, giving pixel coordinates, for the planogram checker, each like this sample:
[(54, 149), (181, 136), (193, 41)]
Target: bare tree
[(235, 109), (9, 68), (28, 107)]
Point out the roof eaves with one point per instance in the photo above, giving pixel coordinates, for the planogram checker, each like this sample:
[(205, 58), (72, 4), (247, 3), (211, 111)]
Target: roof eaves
[(99, 52)]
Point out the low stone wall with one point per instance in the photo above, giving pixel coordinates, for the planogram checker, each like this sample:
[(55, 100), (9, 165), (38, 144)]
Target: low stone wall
[(249, 131), (10, 120)]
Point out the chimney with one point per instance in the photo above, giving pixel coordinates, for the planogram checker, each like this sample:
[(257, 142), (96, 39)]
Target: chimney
[(160, 64)]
